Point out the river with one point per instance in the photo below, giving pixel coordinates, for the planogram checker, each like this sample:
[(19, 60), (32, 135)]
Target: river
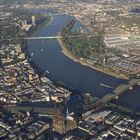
[(47, 55)]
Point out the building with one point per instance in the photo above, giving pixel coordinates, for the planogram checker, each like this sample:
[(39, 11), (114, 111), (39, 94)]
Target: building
[(33, 21), (63, 124), (24, 23)]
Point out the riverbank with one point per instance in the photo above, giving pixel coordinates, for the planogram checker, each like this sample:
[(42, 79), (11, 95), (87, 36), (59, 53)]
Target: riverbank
[(31, 33), (123, 110), (82, 62)]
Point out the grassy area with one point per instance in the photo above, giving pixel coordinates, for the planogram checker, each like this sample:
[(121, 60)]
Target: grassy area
[(89, 48), (81, 45)]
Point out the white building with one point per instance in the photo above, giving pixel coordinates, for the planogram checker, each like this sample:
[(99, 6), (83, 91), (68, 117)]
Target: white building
[(33, 21)]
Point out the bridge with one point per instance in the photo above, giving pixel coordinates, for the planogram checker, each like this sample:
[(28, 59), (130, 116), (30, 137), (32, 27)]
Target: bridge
[(38, 38), (40, 110), (55, 111), (137, 37), (32, 38), (119, 90)]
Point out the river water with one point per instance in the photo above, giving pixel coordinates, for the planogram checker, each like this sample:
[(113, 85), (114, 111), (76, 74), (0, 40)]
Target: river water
[(47, 55)]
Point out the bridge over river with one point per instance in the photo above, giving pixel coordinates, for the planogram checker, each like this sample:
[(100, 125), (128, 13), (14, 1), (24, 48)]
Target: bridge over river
[(119, 90), (136, 38)]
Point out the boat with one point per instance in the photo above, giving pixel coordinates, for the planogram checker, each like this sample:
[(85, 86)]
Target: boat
[(104, 85), (47, 71), (32, 54), (45, 79)]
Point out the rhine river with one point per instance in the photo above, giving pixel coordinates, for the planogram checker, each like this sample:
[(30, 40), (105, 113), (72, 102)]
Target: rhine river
[(47, 56)]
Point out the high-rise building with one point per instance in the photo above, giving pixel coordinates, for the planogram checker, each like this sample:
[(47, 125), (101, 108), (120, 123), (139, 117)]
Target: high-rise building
[(33, 21)]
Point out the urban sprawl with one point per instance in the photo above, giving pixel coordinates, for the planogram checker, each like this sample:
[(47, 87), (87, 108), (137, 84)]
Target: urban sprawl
[(34, 107)]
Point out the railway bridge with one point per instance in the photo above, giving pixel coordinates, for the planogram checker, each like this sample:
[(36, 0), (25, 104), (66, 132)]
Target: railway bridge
[(119, 90)]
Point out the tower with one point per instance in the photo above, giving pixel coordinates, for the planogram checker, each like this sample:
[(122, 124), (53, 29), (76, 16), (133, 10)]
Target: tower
[(33, 21), (67, 113), (24, 23), (105, 60), (62, 123), (59, 123)]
